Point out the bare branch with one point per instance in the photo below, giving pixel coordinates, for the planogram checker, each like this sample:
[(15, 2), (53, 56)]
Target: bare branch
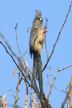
[(65, 100), (57, 71), (25, 79), (59, 34), (46, 48), (16, 27), (51, 86), (68, 96), (8, 46), (45, 38), (25, 100), (64, 68), (17, 91), (21, 61)]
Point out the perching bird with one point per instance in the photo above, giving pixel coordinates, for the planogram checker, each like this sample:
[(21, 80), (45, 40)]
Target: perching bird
[(37, 23), (35, 45)]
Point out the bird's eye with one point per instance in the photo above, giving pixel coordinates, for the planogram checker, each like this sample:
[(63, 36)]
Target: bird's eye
[(38, 18)]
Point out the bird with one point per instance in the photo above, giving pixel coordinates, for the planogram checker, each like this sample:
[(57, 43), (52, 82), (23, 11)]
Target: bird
[(37, 23), (35, 46)]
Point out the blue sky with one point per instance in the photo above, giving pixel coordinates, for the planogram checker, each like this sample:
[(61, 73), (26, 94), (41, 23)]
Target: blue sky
[(22, 12)]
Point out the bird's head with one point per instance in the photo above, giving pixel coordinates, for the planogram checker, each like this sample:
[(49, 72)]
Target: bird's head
[(38, 20)]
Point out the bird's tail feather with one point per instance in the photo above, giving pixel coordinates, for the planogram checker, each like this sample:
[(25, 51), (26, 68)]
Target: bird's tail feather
[(37, 70)]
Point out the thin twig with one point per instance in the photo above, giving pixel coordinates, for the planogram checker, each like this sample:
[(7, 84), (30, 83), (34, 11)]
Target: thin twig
[(51, 86), (68, 95), (64, 68), (57, 71), (6, 44), (21, 60), (45, 38), (59, 34), (46, 48), (17, 91), (16, 27), (8, 47), (26, 96), (65, 100)]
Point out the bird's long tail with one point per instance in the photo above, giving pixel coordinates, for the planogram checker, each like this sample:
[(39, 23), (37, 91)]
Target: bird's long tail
[(37, 71)]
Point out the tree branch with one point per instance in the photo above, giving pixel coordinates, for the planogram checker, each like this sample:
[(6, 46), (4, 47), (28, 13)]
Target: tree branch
[(64, 68), (51, 86), (16, 27), (54, 79), (59, 34), (46, 24), (25, 79), (17, 91)]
